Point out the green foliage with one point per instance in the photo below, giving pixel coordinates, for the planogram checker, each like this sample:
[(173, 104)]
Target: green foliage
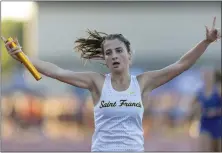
[(10, 28)]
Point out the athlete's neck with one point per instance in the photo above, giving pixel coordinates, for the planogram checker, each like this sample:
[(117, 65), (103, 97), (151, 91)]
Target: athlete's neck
[(121, 78)]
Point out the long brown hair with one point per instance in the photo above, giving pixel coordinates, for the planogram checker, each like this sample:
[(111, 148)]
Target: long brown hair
[(92, 46)]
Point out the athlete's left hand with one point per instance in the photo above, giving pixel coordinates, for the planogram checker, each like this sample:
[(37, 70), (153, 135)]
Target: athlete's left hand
[(212, 34)]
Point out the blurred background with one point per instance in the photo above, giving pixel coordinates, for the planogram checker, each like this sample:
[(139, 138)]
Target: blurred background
[(48, 115)]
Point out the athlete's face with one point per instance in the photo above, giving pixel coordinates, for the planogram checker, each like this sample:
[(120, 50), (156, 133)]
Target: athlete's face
[(116, 55)]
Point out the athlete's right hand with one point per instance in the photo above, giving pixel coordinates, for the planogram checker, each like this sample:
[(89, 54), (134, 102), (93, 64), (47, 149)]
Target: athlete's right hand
[(12, 51)]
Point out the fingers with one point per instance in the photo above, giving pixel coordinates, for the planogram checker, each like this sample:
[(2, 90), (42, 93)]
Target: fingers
[(215, 32), (12, 50), (8, 48), (207, 30), (218, 34), (16, 41), (16, 51), (7, 45), (18, 48), (214, 23)]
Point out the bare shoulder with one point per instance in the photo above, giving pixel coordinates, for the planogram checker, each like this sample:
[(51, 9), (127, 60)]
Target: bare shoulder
[(98, 77), (143, 76), (143, 80), (98, 81), (95, 75), (92, 75)]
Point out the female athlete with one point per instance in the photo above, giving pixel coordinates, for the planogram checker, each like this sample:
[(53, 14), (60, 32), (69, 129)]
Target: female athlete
[(210, 104), (118, 96)]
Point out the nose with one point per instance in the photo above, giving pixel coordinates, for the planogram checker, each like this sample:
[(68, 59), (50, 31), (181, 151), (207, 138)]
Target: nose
[(114, 57)]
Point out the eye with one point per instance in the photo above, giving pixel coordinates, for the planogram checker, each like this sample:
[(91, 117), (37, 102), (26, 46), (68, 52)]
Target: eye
[(108, 52), (119, 50)]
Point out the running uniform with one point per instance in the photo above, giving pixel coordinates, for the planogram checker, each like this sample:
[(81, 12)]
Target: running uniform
[(210, 125), (118, 119)]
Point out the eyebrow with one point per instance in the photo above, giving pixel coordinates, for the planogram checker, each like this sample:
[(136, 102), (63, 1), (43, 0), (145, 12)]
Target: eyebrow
[(115, 48), (107, 50), (118, 48)]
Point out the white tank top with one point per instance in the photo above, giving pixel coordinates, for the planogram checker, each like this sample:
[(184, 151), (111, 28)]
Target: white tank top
[(118, 119)]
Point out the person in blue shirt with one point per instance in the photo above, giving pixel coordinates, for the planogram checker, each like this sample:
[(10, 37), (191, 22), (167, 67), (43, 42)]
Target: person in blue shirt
[(210, 102)]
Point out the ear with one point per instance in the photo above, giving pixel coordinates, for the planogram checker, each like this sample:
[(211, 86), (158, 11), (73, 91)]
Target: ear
[(130, 59)]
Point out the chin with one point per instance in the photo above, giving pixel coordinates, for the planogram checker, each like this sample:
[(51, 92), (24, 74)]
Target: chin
[(117, 70)]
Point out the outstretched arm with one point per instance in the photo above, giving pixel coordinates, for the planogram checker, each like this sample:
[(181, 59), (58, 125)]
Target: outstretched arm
[(79, 79), (153, 79)]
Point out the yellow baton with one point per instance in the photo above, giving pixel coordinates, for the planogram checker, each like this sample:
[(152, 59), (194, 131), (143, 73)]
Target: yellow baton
[(21, 56)]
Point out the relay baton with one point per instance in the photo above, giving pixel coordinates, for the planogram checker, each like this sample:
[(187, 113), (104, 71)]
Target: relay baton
[(21, 56)]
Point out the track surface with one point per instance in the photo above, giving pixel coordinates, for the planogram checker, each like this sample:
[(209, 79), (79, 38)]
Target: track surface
[(154, 142)]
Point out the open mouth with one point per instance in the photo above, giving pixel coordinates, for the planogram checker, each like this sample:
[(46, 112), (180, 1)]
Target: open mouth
[(116, 64)]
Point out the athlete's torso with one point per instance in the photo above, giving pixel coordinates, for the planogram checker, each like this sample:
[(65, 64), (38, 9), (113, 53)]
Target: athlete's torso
[(118, 119), (211, 102)]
